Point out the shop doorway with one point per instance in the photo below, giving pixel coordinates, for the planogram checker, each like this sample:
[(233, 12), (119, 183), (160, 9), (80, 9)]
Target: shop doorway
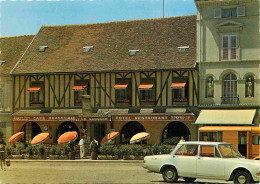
[(66, 127), (30, 129), (129, 130), (99, 131), (173, 132)]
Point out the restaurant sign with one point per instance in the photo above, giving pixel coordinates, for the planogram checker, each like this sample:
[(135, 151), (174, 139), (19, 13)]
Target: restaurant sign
[(153, 118), (59, 118)]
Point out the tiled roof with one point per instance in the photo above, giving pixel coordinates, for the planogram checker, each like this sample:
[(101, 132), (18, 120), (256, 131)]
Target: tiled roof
[(156, 39), (12, 49)]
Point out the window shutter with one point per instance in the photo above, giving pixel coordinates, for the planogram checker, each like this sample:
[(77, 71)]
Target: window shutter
[(241, 11), (217, 13), (233, 52), (225, 48)]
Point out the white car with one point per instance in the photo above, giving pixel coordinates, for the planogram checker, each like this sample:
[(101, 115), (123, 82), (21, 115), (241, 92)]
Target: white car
[(213, 160)]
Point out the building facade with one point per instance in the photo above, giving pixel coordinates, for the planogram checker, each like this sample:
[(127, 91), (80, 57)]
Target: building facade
[(141, 77), (11, 49), (228, 50)]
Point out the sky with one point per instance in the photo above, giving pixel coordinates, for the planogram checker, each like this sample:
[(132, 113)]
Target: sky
[(21, 17)]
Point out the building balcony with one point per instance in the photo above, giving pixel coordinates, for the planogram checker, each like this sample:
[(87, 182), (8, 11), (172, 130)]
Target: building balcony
[(230, 100)]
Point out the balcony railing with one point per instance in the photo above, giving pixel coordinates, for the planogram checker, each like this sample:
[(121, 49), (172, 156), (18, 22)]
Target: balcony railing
[(229, 100)]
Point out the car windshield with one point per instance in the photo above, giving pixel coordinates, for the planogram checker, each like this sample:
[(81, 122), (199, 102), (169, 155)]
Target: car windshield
[(229, 151)]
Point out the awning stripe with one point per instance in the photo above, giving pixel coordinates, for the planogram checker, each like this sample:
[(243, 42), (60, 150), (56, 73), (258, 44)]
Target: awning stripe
[(34, 89), (178, 84), (121, 84), (78, 88), (226, 117), (146, 85)]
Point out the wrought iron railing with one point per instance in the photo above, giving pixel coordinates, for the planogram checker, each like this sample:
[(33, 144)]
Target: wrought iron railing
[(229, 100)]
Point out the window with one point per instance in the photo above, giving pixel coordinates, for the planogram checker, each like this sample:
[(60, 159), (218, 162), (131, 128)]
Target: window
[(80, 88), (256, 139), (229, 151), (133, 52), (229, 90), (229, 47), (208, 151), (211, 136), (147, 92), (183, 49), (1, 62), (180, 91), (188, 150), (87, 48), (36, 93), (42, 48), (249, 87), (123, 92), (229, 12)]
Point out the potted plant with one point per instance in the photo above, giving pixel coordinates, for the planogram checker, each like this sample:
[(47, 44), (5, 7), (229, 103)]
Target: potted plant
[(18, 151), (71, 152), (65, 152), (108, 152), (41, 152), (53, 153), (30, 152)]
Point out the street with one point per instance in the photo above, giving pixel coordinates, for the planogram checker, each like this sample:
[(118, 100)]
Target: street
[(82, 172)]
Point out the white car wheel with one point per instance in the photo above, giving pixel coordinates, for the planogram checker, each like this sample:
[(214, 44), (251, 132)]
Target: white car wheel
[(242, 177), (170, 175)]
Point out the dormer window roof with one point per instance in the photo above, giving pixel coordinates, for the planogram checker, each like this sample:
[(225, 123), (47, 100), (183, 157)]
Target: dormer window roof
[(183, 48), (1, 62), (133, 52), (87, 48), (42, 48)]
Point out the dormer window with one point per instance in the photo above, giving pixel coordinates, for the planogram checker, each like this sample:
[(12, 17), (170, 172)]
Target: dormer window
[(87, 48), (0, 51), (133, 52), (1, 62), (42, 48), (183, 49)]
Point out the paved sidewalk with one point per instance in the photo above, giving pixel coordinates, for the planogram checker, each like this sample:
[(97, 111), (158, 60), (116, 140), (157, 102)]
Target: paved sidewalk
[(77, 160)]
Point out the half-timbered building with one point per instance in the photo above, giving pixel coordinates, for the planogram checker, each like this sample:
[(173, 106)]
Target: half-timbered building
[(140, 75)]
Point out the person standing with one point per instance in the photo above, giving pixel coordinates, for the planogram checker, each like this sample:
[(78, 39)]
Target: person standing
[(182, 139), (82, 147), (94, 149), (3, 153)]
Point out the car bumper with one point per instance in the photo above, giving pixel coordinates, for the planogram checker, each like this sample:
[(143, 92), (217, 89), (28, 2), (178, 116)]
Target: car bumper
[(144, 166), (256, 178)]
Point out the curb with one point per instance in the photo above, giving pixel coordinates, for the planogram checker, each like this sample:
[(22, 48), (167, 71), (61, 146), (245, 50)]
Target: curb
[(77, 161)]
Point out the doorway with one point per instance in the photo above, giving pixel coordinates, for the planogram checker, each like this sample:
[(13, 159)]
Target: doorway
[(242, 143), (99, 131)]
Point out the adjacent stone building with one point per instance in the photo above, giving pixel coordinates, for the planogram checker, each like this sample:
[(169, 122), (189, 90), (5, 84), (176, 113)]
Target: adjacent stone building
[(11, 50)]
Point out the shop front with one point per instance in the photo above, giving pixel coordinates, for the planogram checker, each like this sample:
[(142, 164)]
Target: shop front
[(162, 128), (56, 125)]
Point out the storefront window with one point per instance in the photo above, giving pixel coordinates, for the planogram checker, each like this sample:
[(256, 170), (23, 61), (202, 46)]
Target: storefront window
[(256, 139)]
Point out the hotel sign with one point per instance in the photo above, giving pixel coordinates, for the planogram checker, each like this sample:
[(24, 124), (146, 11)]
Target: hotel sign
[(153, 118), (59, 118)]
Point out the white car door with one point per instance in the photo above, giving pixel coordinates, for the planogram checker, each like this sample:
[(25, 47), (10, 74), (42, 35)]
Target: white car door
[(209, 163), (186, 159)]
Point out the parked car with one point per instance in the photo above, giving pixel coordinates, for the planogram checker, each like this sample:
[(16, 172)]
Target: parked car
[(214, 160)]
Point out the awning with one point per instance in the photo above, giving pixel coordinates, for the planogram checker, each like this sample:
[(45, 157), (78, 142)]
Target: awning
[(178, 84), (226, 117), (146, 85), (34, 88), (121, 84), (79, 88)]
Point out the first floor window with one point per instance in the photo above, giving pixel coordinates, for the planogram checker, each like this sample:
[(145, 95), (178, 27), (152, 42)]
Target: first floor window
[(229, 47), (147, 92), (80, 88), (123, 92), (36, 93)]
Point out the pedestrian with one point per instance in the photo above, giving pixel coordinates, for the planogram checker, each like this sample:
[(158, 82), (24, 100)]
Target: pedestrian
[(3, 153), (182, 139), (94, 149), (82, 146)]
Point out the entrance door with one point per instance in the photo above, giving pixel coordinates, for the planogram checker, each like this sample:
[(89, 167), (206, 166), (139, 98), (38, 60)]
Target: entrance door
[(99, 131), (242, 143)]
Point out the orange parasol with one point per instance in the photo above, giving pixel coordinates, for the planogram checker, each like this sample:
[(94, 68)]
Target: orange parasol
[(139, 137), (109, 136), (68, 137), (16, 137), (39, 138)]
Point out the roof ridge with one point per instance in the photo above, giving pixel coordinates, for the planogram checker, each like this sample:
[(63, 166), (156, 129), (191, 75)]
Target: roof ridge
[(120, 21), (16, 36)]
